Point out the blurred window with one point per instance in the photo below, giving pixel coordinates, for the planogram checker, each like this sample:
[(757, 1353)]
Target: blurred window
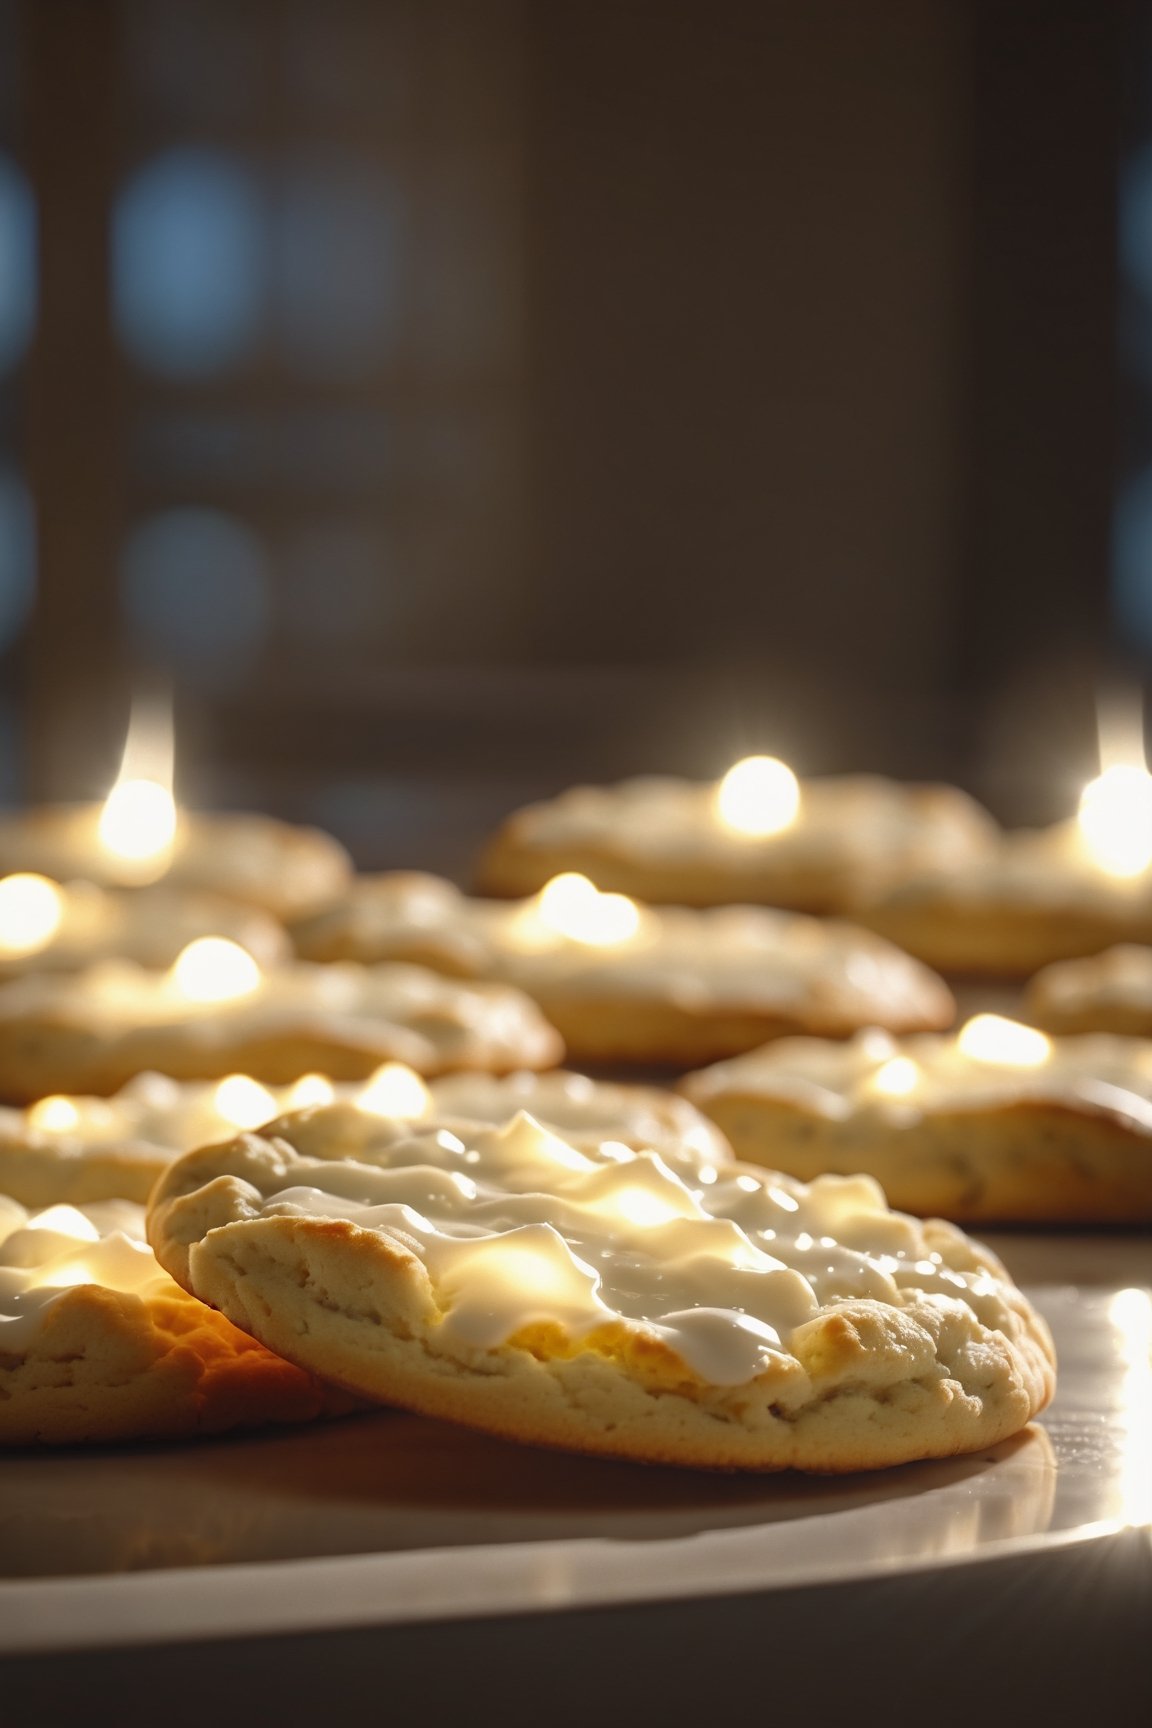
[(197, 594), (17, 264), (17, 557), (188, 262)]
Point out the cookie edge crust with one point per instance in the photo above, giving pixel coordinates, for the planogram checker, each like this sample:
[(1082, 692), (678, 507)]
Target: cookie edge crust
[(108, 1366), (1082, 1165)]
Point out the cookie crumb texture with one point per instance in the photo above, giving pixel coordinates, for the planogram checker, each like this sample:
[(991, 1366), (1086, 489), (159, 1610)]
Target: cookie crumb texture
[(125, 1354), (608, 1301)]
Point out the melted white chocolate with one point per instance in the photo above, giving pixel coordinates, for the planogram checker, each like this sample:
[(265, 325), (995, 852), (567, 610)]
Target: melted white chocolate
[(904, 1079), (1047, 869), (734, 957), (148, 926), (422, 1012), (45, 1253), (864, 820), (517, 1228), (245, 857), (153, 1119)]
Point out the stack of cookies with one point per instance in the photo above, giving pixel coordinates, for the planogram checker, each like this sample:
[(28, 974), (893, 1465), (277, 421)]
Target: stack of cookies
[(281, 1143)]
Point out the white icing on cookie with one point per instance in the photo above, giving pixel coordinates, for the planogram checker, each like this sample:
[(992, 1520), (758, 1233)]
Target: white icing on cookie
[(732, 957), (902, 1080), (518, 1227), (148, 926), (46, 1252), (864, 820)]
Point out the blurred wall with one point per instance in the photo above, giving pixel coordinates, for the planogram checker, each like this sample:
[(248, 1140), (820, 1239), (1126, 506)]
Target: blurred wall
[(468, 395)]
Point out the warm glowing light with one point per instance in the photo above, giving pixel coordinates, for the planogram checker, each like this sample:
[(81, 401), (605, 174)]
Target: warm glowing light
[(758, 797), (65, 1276), (574, 907), (138, 822), (244, 1101), (896, 1078), (640, 1207), (1116, 819), (529, 1270), (65, 1221), (56, 1114), (31, 912), (1131, 1314), (395, 1090), (212, 969), (310, 1089), (1003, 1043)]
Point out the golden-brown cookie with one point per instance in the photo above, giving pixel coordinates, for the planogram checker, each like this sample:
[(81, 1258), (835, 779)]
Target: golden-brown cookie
[(997, 1124), (630, 983), (605, 1300), (97, 1343), (667, 840), (1038, 897), (1109, 992), (93, 1031)]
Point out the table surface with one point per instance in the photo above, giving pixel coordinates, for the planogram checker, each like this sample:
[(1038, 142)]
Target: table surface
[(390, 1519)]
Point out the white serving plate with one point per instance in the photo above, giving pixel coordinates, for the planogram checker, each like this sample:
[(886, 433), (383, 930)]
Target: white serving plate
[(386, 1519)]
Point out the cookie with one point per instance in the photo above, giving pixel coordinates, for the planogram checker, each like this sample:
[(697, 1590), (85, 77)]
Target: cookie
[(87, 1148), (997, 1124), (1038, 897), (1109, 992), (279, 866), (668, 840), (608, 1301), (48, 926), (93, 1031), (98, 1344), (629, 983)]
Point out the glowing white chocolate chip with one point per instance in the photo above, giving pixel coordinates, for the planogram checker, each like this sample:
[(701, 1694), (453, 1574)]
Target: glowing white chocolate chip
[(212, 969), (758, 796), (572, 906), (138, 821), (308, 1090), (1116, 819), (1003, 1043), (897, 1078), (244, 1102), (394, 1090), (56, 1115), (31, 912)]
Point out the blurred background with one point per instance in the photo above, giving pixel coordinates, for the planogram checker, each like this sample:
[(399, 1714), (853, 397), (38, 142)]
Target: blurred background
[(450, 399)]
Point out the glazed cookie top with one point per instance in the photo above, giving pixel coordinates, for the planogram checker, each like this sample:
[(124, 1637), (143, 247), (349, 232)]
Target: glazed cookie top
[(1046, 868), (48, 926), (990, 1064), (68, 1147), (251, 858), (518, 1229), (868, 822), (45, 1253), (570, 938), (1119, 979), (215, 995)]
